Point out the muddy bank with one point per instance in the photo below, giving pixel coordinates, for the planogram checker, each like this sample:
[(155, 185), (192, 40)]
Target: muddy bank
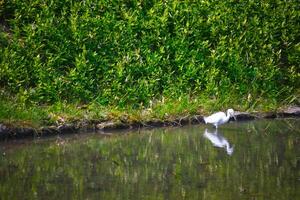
[(9, 131)]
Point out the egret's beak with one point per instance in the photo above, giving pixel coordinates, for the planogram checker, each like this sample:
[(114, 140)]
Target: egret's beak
[(234, 117)]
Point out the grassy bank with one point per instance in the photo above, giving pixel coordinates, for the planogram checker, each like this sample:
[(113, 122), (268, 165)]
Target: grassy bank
[(19, 114), (145, 59)]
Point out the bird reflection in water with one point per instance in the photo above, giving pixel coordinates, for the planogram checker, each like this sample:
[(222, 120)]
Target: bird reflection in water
[(218, 140)]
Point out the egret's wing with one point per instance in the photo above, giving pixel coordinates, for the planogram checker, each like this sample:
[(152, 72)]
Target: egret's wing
[(214, 118)]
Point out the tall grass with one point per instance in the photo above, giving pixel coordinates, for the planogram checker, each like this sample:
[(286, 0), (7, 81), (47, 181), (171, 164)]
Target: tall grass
[(131, 52)]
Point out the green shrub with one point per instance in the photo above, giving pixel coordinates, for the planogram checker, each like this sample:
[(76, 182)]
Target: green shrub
[(129, 52)]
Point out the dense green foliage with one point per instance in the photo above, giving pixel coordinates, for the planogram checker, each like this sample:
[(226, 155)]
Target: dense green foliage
[(133, 51)]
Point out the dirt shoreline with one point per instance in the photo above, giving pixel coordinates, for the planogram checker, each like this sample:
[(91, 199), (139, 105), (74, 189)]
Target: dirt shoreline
[(8, 131)]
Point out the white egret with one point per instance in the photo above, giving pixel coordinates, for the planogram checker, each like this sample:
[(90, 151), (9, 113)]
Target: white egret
[(219, 118), (218, 141)]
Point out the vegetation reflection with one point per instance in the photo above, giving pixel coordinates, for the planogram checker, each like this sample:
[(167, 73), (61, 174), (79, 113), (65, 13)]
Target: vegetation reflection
[(158, 164)]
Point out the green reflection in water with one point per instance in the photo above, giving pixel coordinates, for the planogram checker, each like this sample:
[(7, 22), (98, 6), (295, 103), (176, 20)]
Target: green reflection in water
[(172, 163)]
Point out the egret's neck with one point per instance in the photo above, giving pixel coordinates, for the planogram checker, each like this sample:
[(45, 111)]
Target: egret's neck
[(227, 116)]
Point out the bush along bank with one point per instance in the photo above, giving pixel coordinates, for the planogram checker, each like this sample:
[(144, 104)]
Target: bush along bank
[(131, 52)]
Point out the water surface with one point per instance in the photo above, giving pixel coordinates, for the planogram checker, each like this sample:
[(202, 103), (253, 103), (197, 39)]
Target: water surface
[(249, 160)]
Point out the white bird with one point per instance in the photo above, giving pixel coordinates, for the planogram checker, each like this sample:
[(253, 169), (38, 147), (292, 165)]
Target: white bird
[(219, 118), (218, 141)]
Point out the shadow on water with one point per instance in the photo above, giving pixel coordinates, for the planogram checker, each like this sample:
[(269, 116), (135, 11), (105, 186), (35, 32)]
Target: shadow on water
[(218, 140), (191, 162)]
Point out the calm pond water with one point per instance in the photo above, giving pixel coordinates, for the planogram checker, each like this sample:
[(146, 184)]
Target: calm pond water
[(249, 160)]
